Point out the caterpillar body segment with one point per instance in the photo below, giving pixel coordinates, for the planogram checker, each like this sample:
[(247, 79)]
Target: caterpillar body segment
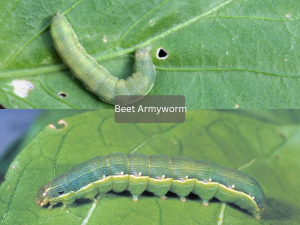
[(157, 174), (95, 77)]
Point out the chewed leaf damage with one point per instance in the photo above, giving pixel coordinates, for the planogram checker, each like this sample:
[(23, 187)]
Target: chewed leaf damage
[(22, 87)]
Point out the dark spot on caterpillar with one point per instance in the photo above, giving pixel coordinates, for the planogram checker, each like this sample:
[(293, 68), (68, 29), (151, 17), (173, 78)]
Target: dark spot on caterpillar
[(62, 95), (161, 53)]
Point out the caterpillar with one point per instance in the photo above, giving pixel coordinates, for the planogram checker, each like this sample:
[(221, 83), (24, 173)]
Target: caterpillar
[(95, 77), (157, 174)]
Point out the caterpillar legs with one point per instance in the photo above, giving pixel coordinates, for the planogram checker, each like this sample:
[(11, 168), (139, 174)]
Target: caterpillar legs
[(182, 199), (65, 207), (163, 197), (135, 198), (205, 202)]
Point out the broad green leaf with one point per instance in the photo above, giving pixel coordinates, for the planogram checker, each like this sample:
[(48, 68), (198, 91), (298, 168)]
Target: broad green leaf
[(46, 117), (265, 151), (221, 53)]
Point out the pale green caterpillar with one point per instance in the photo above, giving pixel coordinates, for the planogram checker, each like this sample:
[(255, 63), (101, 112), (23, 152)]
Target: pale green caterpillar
[(95, 77), (157, 174)]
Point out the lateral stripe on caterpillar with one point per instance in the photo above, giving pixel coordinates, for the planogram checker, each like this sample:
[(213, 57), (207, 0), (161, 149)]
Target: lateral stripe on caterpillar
[(157, 174), (95, 77)]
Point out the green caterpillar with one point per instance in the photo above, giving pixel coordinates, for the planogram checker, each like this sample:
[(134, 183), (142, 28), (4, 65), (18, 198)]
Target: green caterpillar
[(95, 77), (157, 174)]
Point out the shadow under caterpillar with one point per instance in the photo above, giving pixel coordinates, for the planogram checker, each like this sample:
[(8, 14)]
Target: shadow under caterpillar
[(157, 174), (95, 77)]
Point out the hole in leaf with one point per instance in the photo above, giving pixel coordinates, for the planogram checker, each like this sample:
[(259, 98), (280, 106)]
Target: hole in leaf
[(61, 192), (62, 95), (61, 125), (22, 87), (161, 53)]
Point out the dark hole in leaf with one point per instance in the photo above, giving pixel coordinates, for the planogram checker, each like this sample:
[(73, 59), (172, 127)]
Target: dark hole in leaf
[(161, 53), (62, 94), (61, 192)]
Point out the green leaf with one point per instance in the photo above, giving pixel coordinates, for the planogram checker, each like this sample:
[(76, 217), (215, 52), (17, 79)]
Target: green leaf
[(221, 53), (265, 151), (46, 117)]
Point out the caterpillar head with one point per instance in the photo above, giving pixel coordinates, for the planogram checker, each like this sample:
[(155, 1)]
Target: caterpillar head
[(142, 54), (42, 197)]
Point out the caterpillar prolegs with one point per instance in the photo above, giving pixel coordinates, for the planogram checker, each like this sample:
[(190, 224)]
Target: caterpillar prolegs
[(95, 77), (157, 174)]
